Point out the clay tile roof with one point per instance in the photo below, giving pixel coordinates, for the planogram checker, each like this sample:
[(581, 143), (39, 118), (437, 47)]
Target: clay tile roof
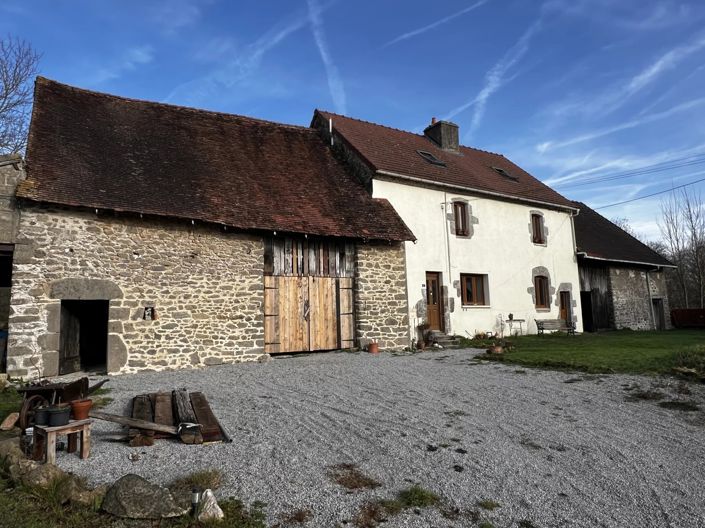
[(94, 150), (599, 238), (393, 150)]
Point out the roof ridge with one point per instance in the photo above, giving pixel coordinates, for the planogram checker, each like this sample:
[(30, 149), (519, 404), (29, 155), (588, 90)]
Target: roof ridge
[(403, 131), (46, 81)]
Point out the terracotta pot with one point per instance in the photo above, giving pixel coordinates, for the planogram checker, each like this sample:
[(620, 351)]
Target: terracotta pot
[(373, 348), (80, 408), (59, 416)]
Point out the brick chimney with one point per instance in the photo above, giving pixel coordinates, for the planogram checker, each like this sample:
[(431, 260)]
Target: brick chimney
[(443, 133)]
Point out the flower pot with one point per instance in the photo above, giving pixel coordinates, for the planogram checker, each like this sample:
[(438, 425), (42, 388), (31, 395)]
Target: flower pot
[(80, 408), (373, 348), (41, 416), (59, 416)]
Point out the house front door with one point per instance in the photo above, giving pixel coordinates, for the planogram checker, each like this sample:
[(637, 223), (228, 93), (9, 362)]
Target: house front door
[(434, 309), (565, 306)]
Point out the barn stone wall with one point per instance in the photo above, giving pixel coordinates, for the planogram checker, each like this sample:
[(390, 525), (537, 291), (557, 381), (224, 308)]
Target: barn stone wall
[(205, 285), (631, 299), (381, 296)]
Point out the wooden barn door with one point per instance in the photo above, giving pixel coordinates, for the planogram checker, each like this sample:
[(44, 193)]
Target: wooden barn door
[(307, 314), (308, 294)]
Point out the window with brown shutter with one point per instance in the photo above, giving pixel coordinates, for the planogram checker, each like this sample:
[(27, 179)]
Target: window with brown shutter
[(460, 212), (541, 291), (537, 229), (473, 289)]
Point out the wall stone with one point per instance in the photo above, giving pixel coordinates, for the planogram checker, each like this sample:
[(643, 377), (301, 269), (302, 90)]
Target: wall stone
[(630, 297), (381, 296), (205, 285), (11, 172)]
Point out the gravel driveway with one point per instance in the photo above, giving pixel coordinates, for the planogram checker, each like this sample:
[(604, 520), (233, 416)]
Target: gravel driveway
[(552, 448)]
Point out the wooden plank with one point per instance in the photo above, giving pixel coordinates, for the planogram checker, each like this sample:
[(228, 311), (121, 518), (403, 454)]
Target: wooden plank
[(305, 258), (163, 409), (268, 256), (288, 257), (185, 414), (210, 428), (142, 410), (183, 410), (132, 422)]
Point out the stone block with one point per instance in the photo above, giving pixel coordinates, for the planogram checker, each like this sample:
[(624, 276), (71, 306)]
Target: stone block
[(50, 363)]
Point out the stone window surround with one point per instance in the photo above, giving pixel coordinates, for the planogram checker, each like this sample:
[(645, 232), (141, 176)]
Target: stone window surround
[(471, 220), (541, 271), (544, 228)]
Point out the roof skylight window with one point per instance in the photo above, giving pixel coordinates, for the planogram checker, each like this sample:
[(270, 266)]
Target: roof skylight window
[(504, 173), (431, 158)]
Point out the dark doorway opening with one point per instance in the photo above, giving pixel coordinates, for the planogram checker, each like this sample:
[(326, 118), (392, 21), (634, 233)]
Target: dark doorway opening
[(5, 284), (659, 316), (586, 309), (83, 342)]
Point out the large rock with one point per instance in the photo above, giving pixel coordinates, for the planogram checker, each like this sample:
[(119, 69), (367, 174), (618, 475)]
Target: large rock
[(137, 498)]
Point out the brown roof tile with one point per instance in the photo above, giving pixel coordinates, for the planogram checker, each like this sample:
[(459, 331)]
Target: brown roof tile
[(389, 149), (599, 238), (101, 151)]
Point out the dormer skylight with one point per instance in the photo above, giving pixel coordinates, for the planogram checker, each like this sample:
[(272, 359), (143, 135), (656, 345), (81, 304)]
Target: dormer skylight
[(504, 173), (431, 158)]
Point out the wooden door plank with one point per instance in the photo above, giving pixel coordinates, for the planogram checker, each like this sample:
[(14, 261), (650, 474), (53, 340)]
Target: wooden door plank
[(210, 428)]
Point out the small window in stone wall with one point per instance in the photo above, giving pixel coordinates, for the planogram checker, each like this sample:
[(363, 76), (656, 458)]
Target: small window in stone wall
[(150, 313), (541, 291)]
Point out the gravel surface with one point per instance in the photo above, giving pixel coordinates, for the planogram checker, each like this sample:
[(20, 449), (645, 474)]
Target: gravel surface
[(553, 448)]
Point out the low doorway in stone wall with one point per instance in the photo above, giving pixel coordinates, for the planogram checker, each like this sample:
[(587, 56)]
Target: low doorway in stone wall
[(83, 338), (5, 283)]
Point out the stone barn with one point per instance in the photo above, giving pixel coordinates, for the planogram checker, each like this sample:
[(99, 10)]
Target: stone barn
[(152, 236), (622, 280)]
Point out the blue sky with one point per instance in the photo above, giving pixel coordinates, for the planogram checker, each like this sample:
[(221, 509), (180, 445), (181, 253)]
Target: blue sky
[(571, 90)]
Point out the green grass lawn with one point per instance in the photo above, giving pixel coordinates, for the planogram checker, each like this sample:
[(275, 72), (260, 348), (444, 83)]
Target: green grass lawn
[(619, 351)]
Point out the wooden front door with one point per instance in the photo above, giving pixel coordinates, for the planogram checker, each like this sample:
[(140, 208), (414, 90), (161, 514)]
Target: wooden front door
[(565, 311), (308, 313), (434, 307)]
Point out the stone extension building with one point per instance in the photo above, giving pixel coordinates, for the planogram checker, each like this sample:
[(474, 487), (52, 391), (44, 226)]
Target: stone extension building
[(622, 280), (153, 236)]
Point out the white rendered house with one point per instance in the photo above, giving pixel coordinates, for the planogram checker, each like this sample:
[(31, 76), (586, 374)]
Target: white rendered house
[(493, 242)]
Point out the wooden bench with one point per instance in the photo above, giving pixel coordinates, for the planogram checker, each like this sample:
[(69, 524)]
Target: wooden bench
[(555, 324), (45, 439)]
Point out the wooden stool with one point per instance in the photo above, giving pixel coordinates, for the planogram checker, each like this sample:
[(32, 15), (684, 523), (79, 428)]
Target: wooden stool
[(45, 439)]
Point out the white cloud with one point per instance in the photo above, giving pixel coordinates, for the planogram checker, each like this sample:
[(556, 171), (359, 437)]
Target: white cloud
[(127, 62), (435, 24), (238, 69), (335, 83), (639, 121), (495, 78), (173, 15)]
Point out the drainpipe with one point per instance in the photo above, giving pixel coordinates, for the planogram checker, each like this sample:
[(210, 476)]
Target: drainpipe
[(447, 231)]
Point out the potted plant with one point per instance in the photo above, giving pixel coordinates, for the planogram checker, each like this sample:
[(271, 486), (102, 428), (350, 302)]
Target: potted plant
[(373, 347), (80, 408), (59, 414)]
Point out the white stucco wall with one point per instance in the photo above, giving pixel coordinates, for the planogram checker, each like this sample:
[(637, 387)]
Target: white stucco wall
[(500, 246)]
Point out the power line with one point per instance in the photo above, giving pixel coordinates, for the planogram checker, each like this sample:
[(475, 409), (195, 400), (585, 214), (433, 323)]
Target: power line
[(646, 169), (652, 194)]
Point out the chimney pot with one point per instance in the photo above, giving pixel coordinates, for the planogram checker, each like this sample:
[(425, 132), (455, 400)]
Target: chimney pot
[(433, 120)]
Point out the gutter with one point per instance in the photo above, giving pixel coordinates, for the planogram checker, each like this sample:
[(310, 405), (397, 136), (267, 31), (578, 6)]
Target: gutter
[(585, 255), (473, 190)]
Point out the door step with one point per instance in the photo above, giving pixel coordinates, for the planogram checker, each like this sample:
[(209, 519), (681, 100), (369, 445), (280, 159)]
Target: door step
[(444, 340)]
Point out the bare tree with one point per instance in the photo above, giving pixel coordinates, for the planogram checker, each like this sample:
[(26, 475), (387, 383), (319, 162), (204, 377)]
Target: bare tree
[(676, 242), (18, 66), (624, 224), (693, 214)]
